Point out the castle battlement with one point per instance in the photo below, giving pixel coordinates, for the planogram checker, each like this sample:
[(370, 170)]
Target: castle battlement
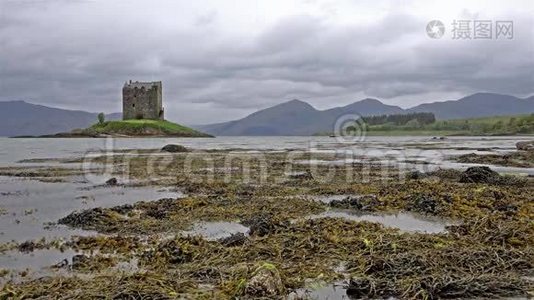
[(140, 84)]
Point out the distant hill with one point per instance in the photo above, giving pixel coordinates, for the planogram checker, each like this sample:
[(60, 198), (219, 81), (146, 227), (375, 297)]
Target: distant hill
[(477, 105), (296, 118), (22, 118), (300, 118)]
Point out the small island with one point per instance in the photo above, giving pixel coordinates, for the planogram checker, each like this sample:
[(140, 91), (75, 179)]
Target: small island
[(142, 116), (134, 128)]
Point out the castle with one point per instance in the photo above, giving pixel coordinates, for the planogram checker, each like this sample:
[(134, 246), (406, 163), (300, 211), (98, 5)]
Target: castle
[(142, 100)]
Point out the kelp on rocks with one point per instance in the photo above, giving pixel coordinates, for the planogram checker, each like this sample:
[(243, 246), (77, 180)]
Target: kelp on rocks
[(487, 253)]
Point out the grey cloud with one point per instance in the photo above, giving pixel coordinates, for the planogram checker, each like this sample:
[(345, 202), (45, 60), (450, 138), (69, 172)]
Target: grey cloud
[(82, 64)]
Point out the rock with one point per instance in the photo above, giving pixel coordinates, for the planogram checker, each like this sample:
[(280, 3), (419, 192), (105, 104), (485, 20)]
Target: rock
[(26, 247), (365, 202), (123, 209), (85, 218), (80, 261), (479, 175), (112, 181), (265, 282), (359, 288), (237, 239), (260, 225), (306, 175), (424, 204), (61, 265), (172, 148), (415, 175), (525, 146)]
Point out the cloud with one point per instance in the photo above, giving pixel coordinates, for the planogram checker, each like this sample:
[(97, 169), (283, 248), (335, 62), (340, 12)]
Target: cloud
[(219, 63)]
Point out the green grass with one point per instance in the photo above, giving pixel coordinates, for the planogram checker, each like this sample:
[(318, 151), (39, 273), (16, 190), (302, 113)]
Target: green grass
[(145, 128)]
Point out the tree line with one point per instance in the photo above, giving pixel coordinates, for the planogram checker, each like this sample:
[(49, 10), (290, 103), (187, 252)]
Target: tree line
[(401, 119)]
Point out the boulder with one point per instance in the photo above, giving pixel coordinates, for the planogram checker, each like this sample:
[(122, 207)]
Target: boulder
[(525, 146), (481, 174), (27, 247), (261, 225), (61, 265), (237, 239), (86, 218), (265, 282), (112, 181), (172, 148), (359, 288)]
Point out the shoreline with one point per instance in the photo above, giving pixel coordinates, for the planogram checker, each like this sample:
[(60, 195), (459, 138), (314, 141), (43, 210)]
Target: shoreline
[(231, 230)]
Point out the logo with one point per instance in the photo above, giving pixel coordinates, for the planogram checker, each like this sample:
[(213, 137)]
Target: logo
[(350, 129), (435, 29)]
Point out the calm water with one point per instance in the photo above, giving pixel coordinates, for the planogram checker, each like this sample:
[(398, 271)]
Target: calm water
[(12, 150), (418, 152)]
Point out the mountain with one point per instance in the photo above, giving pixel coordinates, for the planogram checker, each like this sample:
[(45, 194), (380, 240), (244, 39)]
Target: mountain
[(277, 120), (22, 118), (300, 118), (296, 117), (477, 105)]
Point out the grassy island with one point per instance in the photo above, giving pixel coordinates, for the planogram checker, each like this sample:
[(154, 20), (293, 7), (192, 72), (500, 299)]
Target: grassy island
[(133, 128), (145, 128)]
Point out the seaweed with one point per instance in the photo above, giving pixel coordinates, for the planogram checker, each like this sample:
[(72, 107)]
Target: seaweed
[(487, 253), (365, 202)]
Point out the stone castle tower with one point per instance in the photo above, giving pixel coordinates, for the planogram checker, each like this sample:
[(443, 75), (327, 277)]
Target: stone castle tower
[(142, 100)]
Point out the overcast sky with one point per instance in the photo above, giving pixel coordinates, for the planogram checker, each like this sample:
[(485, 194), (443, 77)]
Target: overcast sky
[(223, 59)]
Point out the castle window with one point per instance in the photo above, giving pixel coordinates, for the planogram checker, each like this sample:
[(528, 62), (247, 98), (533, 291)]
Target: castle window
[(133, 105)]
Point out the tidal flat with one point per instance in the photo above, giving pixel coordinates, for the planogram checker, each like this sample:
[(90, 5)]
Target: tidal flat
[(263, 223)]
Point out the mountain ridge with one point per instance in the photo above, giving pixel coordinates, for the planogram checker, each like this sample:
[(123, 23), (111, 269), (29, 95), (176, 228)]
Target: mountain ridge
[(21, 118), (312, 121), (293, 117)]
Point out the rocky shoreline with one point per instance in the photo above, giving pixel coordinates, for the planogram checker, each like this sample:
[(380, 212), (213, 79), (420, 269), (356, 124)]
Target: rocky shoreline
[(274, 248), (522, 158)]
